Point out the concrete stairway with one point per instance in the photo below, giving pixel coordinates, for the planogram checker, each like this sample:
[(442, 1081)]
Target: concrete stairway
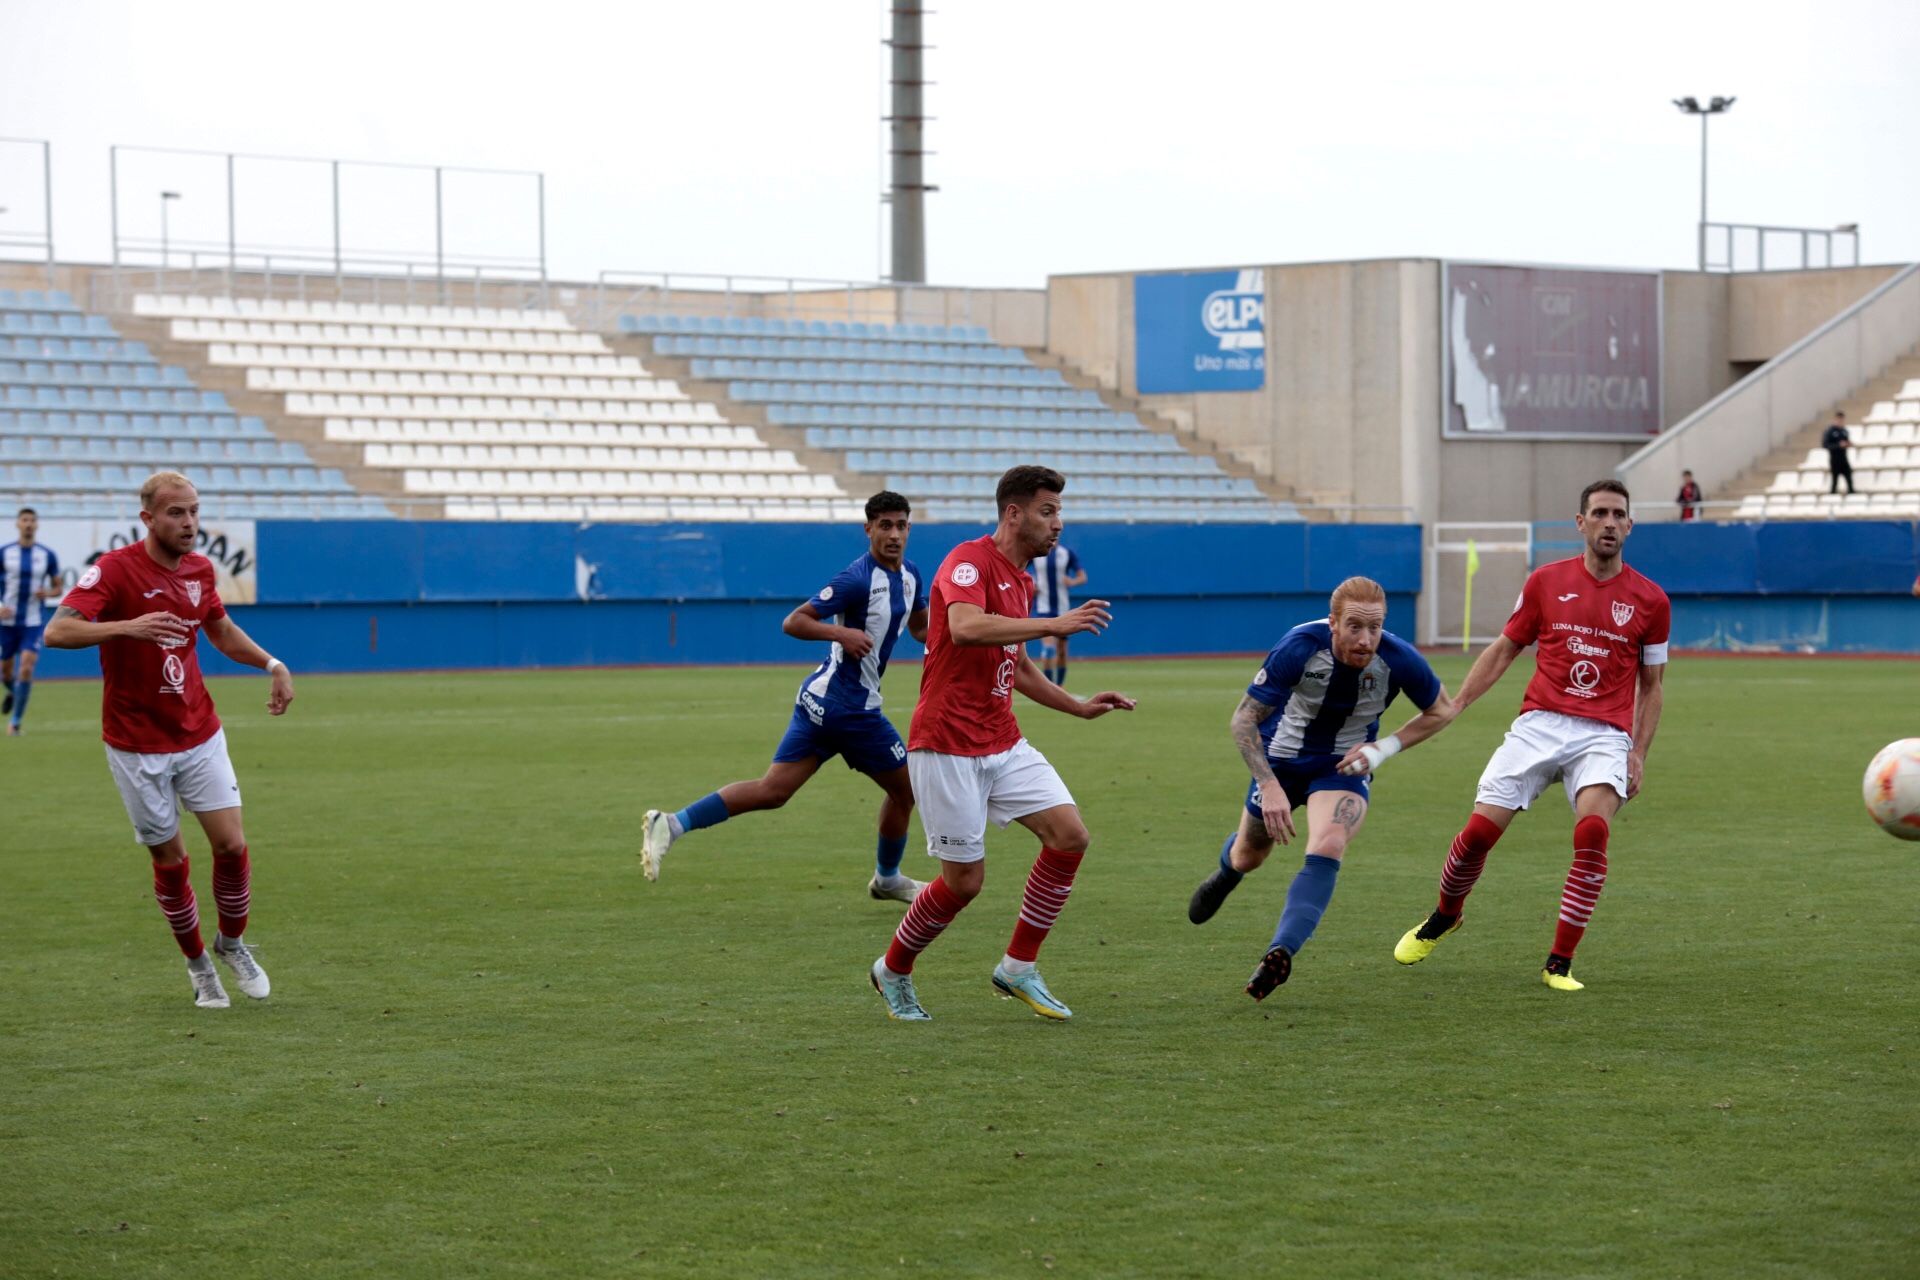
[(1788, 456), (1191, 442), (857, 484), (271, 408)]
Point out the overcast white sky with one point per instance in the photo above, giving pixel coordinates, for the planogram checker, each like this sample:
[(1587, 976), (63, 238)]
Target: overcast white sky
[(743, 136)]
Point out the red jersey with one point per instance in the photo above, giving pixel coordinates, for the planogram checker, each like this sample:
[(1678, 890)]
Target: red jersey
[(966, 692), (1594, 637), (154, 702)]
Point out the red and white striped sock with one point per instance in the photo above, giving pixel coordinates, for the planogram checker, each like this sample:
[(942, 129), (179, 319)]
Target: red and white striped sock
[(933, 909), (233, 892), (174, 892), (1585, 879), (1465, 860), (1048, 885)]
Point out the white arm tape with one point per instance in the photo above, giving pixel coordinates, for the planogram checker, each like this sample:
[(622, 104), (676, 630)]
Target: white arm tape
[(1389, 747), (274, 662)]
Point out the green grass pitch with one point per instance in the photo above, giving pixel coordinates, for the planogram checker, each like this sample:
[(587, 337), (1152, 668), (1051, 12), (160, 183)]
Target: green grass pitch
[(494, 1050)]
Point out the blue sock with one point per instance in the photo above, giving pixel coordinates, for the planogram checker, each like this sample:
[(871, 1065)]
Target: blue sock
[(887, 855), (1307, 899), (1226, 859), (21, 691), (1061, 678), (708, 811)]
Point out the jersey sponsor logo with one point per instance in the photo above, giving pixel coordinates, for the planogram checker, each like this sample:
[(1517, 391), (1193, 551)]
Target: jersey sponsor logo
[(1569, 596), (1585, 675), (91, 576), (1576, 645), (1003, 679), (1622, 613), (193, 593), (812, 706), (965, 574), (174, 672)]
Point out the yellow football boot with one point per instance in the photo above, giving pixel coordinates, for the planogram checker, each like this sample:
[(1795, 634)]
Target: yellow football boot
[(1412, 948), (1558, 974)]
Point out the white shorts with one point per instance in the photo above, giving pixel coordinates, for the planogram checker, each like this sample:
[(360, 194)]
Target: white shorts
[(958, 794), (1544, 745), (156, 787)]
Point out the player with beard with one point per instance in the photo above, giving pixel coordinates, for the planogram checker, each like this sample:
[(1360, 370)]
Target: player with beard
[(145, 605), (1588, 718), (969, 761)]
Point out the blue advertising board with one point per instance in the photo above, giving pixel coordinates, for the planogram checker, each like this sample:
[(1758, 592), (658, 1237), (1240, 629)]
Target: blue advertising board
[(1200, 331)]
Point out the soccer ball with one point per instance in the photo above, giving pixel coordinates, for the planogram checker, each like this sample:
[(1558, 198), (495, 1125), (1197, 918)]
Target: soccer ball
[(1892, 789)]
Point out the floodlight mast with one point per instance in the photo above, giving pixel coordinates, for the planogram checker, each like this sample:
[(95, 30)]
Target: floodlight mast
[(907, 193), (1715, 106)]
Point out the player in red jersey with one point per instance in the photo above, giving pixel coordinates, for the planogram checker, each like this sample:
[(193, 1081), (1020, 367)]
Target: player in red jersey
[(967, 759), (143, 605), (1588, 717)]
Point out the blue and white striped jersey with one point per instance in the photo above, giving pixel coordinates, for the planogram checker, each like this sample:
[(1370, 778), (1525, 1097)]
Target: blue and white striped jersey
[(23, 572), (1050, 573), (869, 597), (1321, 706)]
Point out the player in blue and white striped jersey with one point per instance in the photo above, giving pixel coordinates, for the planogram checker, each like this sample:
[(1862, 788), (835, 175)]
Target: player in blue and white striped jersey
[(876, 599), (29, 574), (1054, 575), (1307, 729)]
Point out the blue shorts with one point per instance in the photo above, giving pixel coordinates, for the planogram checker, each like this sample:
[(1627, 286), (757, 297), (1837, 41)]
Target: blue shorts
[(867, 739), (1302, 777), (19, 639)]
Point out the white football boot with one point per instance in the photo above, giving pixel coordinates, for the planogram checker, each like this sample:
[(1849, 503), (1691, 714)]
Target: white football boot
[(207, 991), (656, 836), (247, 973)]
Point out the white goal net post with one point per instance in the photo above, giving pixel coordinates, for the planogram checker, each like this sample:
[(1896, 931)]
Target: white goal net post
[(1469, 609)]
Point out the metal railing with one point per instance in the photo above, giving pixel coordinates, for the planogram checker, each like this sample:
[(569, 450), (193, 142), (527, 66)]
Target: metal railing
[(303, 271), (294, 274), (1752, 239), (38, 243), (1758, 414)]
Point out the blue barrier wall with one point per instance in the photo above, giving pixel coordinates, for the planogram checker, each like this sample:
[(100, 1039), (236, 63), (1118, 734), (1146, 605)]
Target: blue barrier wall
[(373, 596), (1826, 586)]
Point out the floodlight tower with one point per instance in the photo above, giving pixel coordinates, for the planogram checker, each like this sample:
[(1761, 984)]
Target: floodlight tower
[(1692, 107), (907, 193)]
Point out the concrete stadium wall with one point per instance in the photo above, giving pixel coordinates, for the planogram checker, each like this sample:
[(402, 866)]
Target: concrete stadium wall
[(1350, 413)]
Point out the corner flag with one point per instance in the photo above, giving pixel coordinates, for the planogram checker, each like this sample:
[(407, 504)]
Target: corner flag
[(1473, 567)]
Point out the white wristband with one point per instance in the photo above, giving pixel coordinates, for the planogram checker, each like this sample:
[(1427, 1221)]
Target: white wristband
[(272, 663)]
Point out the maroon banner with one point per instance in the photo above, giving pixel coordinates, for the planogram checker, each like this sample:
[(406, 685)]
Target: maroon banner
[(1549, 351)]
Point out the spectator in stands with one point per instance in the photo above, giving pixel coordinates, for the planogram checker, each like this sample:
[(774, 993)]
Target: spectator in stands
[(1836, 442), (1690, 496)]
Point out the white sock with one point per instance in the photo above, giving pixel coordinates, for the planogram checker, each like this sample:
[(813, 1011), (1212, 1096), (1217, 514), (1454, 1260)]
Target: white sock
[(1016, 967), (673, 825), (201, 963)]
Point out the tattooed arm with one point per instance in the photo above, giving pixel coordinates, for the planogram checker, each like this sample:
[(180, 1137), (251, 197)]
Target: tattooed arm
[(1275, 809)]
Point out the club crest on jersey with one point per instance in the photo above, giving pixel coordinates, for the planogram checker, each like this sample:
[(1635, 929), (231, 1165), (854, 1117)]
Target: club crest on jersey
[(193, 595), (1622, 613)]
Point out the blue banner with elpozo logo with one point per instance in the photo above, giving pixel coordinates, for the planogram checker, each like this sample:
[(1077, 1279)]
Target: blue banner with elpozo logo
[(1200, 331)]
